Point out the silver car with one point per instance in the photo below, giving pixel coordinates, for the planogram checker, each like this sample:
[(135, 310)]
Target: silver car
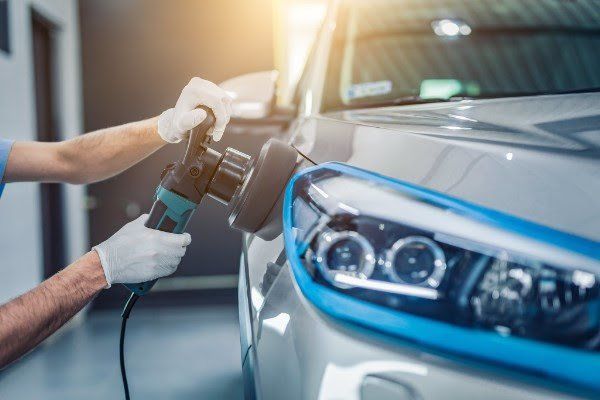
[(441, 235)]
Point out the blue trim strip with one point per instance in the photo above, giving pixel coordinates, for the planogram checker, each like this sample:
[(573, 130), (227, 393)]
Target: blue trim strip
[(566, 364)]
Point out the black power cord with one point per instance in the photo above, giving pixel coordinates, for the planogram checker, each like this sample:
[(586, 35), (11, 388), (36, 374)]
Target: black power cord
[(125, 315)]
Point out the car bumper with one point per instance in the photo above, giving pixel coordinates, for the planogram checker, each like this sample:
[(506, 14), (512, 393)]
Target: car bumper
[(298, 352)]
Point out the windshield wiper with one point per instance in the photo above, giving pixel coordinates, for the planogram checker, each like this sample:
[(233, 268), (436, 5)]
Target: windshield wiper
[(406, 100), (587, 90), (415, 99)]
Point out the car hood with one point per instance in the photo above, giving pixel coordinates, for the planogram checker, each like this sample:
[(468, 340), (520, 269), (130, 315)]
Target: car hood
[(565, 122), (537, 158)]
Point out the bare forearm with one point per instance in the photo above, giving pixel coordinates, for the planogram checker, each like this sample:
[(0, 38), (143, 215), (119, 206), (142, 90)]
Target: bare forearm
[(87, 158), (105, 153), (32, 317)]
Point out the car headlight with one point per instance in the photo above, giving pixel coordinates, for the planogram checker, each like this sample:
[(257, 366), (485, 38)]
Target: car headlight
[(444, 273)]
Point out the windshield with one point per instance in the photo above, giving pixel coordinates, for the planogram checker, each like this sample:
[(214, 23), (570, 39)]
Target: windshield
[(410, 51)]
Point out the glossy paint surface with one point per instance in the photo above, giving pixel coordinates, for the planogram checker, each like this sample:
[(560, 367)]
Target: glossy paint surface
[(302, 354), (535, 158), (576, 366), (540, 175)]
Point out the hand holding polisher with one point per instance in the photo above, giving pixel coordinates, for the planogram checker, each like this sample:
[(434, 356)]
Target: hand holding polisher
[(250, 190)]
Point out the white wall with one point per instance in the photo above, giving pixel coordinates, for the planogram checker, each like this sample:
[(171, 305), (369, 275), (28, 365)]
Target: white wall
[(21, 265)]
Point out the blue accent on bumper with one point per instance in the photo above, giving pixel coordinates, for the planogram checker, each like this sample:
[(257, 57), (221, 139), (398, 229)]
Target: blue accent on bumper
[(555, 362)]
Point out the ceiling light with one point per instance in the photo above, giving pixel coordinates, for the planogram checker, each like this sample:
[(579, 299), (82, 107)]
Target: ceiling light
[(450, 27)]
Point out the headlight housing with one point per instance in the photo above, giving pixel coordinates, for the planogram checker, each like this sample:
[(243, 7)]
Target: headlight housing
[(445, 273)]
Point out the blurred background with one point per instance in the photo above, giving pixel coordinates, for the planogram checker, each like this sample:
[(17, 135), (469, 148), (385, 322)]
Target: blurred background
[(69, 67)]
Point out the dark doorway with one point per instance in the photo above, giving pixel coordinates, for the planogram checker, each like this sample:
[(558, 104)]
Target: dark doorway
[(123, 85), (42, 33), (4, 27)]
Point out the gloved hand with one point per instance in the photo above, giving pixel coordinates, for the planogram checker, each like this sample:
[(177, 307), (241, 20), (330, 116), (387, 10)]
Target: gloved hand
[(174, 123), (139, 254)]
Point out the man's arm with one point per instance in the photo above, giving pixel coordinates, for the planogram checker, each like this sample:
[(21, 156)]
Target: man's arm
[(134, 254), (32, 317), (85, 159), (105, 153)]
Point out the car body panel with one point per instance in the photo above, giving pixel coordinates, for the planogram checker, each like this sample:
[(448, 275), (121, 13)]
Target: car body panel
[(552, 185), (492, 160), (312, 356), (535, 158)]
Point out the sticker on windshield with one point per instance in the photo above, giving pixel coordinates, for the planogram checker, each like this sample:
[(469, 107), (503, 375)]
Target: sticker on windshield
[(369, 89)]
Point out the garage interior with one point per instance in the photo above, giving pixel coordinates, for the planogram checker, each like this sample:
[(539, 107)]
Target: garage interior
[(92, 64)]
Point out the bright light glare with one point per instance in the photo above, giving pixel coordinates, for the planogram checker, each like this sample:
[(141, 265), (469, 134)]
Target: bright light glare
[(382, 286), (465, 30), (462, 118), (449, 27), (300, 24), (456, 128), (278, 323), (584, 279)]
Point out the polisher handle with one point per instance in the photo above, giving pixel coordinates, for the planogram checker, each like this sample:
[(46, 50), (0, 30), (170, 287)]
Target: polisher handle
[(199, 137), (171, 211)]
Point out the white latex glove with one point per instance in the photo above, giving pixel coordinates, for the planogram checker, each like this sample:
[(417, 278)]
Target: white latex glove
[(139, 254), (174, 123)]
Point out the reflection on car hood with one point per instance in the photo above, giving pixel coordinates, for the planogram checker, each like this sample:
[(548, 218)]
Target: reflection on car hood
[(567, 122)]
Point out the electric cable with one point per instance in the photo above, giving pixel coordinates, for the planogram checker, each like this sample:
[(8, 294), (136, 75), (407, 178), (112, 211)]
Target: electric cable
[(124, 316)]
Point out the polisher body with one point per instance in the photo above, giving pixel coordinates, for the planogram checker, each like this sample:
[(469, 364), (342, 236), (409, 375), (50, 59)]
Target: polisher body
[(251, 191)]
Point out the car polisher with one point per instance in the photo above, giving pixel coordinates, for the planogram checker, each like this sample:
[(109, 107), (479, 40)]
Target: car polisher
[(250, 190)]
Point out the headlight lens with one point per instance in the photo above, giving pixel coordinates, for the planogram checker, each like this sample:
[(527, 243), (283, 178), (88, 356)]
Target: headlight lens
[(415, 252), (416, 260), (344, 253)]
